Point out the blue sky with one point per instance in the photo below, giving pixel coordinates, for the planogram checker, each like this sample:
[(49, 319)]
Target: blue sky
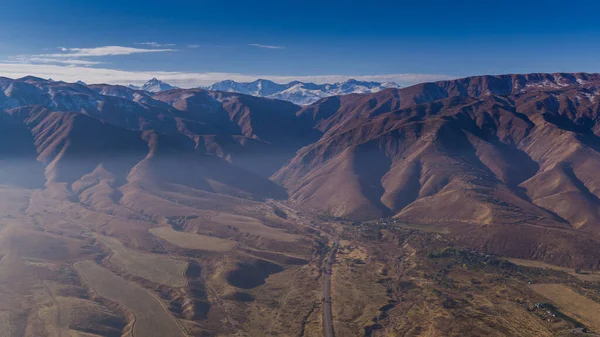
[(199, 42)]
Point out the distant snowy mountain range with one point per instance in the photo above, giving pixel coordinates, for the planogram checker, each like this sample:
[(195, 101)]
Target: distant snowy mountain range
[(297, 92)]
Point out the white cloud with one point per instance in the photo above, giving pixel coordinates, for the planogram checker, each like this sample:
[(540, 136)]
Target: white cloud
[(101, 51), (74, 73), (80, 56), (156, 44), (50, 60), (193, 46), (265, 46)]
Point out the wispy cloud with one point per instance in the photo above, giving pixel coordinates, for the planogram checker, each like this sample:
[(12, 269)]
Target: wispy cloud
[(74, 73), (265, 46), (81, 56), (193, 46), (101, 51), (49, 60), (156, 44)]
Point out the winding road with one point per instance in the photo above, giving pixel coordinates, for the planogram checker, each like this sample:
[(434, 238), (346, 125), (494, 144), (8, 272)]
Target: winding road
[(327, 312)]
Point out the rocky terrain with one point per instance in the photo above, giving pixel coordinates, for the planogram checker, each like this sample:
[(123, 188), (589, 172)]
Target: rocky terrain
[(221, 212)]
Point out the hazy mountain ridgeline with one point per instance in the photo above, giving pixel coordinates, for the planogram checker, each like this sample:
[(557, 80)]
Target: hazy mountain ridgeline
[(72, 130), (507, 162), (297, 92), (300, 93)]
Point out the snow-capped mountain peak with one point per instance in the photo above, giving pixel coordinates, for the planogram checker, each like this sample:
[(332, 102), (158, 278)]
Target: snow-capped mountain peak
[(156, 85), (300, 92)]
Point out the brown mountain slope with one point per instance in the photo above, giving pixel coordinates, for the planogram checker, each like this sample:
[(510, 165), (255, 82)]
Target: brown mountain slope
[(81, 151), (506, 152), (259, 134), (478, 137), (336, 112), (489, 156)]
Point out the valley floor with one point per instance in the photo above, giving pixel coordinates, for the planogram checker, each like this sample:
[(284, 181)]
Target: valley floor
[(263, 269)]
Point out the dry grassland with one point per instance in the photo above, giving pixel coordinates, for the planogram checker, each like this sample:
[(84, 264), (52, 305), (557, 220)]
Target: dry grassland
[(5, 324), (193, 241), (40, 245), (590, 276), (151, 317), (248, 225), (284, 305), (77, 315), (156, 268), (424, 228), (571, 303), (355, 291)]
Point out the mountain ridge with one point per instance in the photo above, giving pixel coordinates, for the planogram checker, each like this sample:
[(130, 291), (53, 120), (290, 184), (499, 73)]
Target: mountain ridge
[(487, 157), (154, 85), (299, 92)]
